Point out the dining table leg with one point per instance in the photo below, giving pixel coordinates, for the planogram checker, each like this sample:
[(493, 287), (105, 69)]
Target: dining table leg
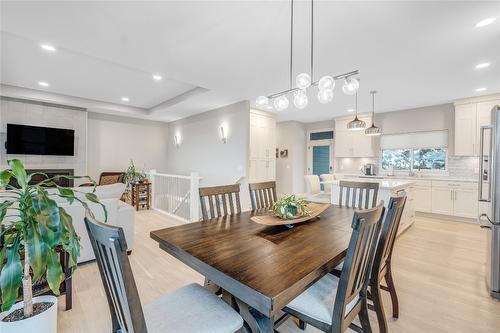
[(266, 323)]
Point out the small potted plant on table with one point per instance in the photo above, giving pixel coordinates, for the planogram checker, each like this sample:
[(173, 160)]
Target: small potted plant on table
[(33, 227), (290, 207)]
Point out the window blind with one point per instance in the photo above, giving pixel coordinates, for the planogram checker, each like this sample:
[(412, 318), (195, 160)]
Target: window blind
[(431, 139)]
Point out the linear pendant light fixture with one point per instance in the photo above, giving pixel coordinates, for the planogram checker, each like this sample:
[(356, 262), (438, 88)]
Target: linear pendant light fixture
[(373, 130), (305, 81), (356, 124)]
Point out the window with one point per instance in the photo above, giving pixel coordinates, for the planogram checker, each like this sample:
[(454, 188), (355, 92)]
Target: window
[(399, 158), (429, 159), (417, 159), (326, 135), (415, 151)]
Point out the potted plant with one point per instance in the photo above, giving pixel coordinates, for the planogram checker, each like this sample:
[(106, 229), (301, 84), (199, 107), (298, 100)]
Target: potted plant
[(290, 207), (132, 176), (33, 228)]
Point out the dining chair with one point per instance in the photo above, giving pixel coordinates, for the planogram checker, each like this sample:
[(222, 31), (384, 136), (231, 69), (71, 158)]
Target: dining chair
[(327, 177), (331, 303), (358, 194), (188, 309), (262, 195), (382, 262), (313, 190), (219, 199)]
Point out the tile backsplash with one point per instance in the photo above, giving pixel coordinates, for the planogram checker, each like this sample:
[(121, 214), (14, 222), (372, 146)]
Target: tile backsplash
[(458, 166)]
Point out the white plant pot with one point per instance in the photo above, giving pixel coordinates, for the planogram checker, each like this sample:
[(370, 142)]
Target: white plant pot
[(45, 322)]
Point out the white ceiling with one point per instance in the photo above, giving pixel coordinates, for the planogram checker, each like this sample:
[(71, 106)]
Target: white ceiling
[(212, 53)]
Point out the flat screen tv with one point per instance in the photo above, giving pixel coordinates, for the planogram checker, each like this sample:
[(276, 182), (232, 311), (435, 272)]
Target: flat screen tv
[(34, 140)]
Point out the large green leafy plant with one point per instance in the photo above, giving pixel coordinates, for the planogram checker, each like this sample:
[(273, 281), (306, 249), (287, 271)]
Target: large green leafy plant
[(290, 207), (34, 227)]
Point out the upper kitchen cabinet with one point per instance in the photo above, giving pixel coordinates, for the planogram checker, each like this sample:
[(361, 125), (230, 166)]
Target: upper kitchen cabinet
[(470, 115), (353, 143), (262, 146)]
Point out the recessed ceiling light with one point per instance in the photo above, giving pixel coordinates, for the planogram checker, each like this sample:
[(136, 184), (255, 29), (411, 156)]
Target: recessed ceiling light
[(350, 110), (125, 99), (43, 83), (483, 65), (157, 77), (485, 22), (48, 47), (480, 89)]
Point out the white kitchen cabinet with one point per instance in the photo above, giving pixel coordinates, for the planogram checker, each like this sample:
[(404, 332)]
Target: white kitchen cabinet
[(465, 203), (454, 198), (442, 200), (465, 129), (262, 147), (470, 115), (353, 143), (422, 198)]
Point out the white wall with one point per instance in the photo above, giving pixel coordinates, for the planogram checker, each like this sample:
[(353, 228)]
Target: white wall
[(24, 112), (202, 150), (113, 141), (290, 171)]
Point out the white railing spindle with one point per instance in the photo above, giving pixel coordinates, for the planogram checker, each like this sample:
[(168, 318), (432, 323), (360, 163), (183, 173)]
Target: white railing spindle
[(175, 195)]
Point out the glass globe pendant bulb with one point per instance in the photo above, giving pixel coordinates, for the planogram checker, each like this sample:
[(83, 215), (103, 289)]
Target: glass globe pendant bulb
[(325, 96), (303, 81), (326, 83), (262, 101), (281, 103), (300, 99), (351, 86)]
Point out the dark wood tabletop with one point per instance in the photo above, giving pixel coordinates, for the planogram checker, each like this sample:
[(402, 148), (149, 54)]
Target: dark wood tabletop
[(264, 266)]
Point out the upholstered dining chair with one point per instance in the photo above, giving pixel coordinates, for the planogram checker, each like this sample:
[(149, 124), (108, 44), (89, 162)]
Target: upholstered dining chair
[(358, 194), (262, 195), (382, 262), (331, 304), (190, 309), (327, 177), (222, 200), (313, 190)]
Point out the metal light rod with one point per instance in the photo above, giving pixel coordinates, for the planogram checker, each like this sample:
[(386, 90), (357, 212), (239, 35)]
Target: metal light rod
[(338, 77)]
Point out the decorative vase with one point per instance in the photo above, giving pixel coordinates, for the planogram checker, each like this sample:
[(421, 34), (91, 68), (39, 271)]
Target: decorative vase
[(44, 322)]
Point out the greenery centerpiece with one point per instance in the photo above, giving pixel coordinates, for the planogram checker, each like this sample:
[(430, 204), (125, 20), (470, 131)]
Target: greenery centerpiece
[(33, 229), (290, 207)]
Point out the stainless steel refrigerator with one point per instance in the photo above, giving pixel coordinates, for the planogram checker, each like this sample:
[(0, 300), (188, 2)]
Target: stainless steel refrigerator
[(489, 198)]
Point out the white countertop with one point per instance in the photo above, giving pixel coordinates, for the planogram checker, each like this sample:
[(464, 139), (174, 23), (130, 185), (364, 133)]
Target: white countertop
[(389, 184), (414, 178)]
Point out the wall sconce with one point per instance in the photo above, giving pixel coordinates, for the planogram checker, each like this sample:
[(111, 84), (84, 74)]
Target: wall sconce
[(177, 141), (223, 134)]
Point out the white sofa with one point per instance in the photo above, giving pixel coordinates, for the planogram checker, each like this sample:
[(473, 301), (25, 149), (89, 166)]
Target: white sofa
[(119, 213)]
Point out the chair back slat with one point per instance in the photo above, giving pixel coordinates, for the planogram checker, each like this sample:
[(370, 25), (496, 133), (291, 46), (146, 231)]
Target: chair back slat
[(361, 195), (110, 249), (357, 266), (262, 195), (219, 197), (388, 234)]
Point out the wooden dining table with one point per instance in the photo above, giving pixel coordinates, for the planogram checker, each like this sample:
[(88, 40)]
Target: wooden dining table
[(262, 267)]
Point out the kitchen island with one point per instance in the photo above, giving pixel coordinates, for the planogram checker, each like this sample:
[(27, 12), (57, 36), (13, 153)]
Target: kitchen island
[(387, 188)]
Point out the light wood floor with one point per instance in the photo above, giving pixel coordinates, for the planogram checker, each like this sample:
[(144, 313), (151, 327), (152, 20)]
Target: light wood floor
[(438, 271)]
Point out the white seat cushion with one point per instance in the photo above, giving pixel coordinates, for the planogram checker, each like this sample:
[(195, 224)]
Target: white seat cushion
[(318, 300), (191, 309)]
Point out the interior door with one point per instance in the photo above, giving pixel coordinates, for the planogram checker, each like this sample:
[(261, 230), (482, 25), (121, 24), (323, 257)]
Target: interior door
[(320, 159)]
